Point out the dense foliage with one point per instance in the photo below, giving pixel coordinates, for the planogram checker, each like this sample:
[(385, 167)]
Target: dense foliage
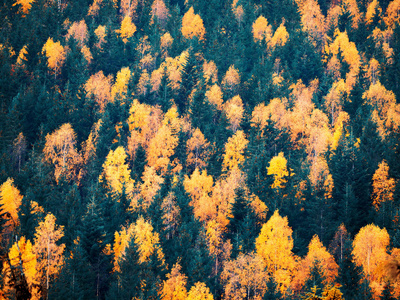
[(170, 149)]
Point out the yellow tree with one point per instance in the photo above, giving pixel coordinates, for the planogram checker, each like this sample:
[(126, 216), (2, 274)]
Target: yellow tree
[(10, 202), (219, 249), (192, 25), (159, 12), (231, 80), (234, 112), (116, 173), (79, 32), (161, 148), (383, 186), (200, 292), (392, 14), (122, 239), (280, 36), (370, 249), (214, 96), (261, 30), (313, 22), (98, 86), (147, 240), (26, 5), (244, 278), (55, 54), (120, 88), (278, 168), (101, 33), (197, 151), (60, 149), (127, 29), (274, 245), (234, 151), (174, 287), (210, 72), (317, 253), (334, 100), (149, 188), (49, 254), (171, 214)]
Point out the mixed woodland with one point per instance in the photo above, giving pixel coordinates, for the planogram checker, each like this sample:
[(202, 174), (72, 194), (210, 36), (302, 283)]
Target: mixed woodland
[(193, 149)]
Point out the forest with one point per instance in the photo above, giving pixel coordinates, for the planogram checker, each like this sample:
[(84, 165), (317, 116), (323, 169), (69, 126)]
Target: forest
[(200, 149)]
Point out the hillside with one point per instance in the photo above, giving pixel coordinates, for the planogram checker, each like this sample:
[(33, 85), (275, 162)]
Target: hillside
[(171, 149)]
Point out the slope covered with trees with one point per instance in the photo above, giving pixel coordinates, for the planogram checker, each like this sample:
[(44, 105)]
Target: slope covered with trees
[(170, 149)]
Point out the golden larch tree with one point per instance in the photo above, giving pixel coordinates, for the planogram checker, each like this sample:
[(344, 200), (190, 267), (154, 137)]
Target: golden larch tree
[(170, 215), (10, 202), (149, 188), (214, 96), (21, 256), (122, 239), (261, 30), (199, 291), (210, 72), (197, 151), (48, 251), (120, 88), (147, 240), (231, 80), (313, 22), (127, 29), (192, 25), (373, 10), (278, 168), (392, 14), (101, 33), (60, 150), (370, 249), (116, 172), (317, 253), (159, 12), (383, 186), (161, 148), (22, 56), (280, 36), (79, 32), (26, 5), (56, 55), (244, 277), (99, 86), (274, 245), (234, 111), (234, 154), (335, 99), (174, 287)]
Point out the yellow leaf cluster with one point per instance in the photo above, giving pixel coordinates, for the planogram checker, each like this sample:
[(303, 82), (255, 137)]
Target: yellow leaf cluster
[(192, 25), (147, 240), (278, 168), (234, 151), (313, 22), (261, 30), (199, 291), (370, 249), (128, 7), (122, 239), (120, 88), (383, 186), (166, 42), (174, 287), (79, 32), (127, 29), (94, 8), (55, 54), (60, 149), (274, 245), (159, 11), (99, 86), (392, 14), (210, 72), (231, 79), (151, 185), (234, 111), (116, 173), (10, 201), (25, 5), (373, 9), (22, 56), (243, 276), (334, 100), (214, 96), (280, 36), (197, 150), (101, 33)]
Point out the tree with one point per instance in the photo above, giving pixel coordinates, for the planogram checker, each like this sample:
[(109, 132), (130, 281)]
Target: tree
[(199, 291), (197, 151), (26, 5), (127, 29), (55, 54), (98, 86), (10, 202), (277, 168), (274, 245), (116, 174), (369, 249), (174, 287), (192, 25), (119, 91), (261, 30), (234, 151), (49, 254), (79, 32), (234, 112), (60, 149), (244, 277)]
